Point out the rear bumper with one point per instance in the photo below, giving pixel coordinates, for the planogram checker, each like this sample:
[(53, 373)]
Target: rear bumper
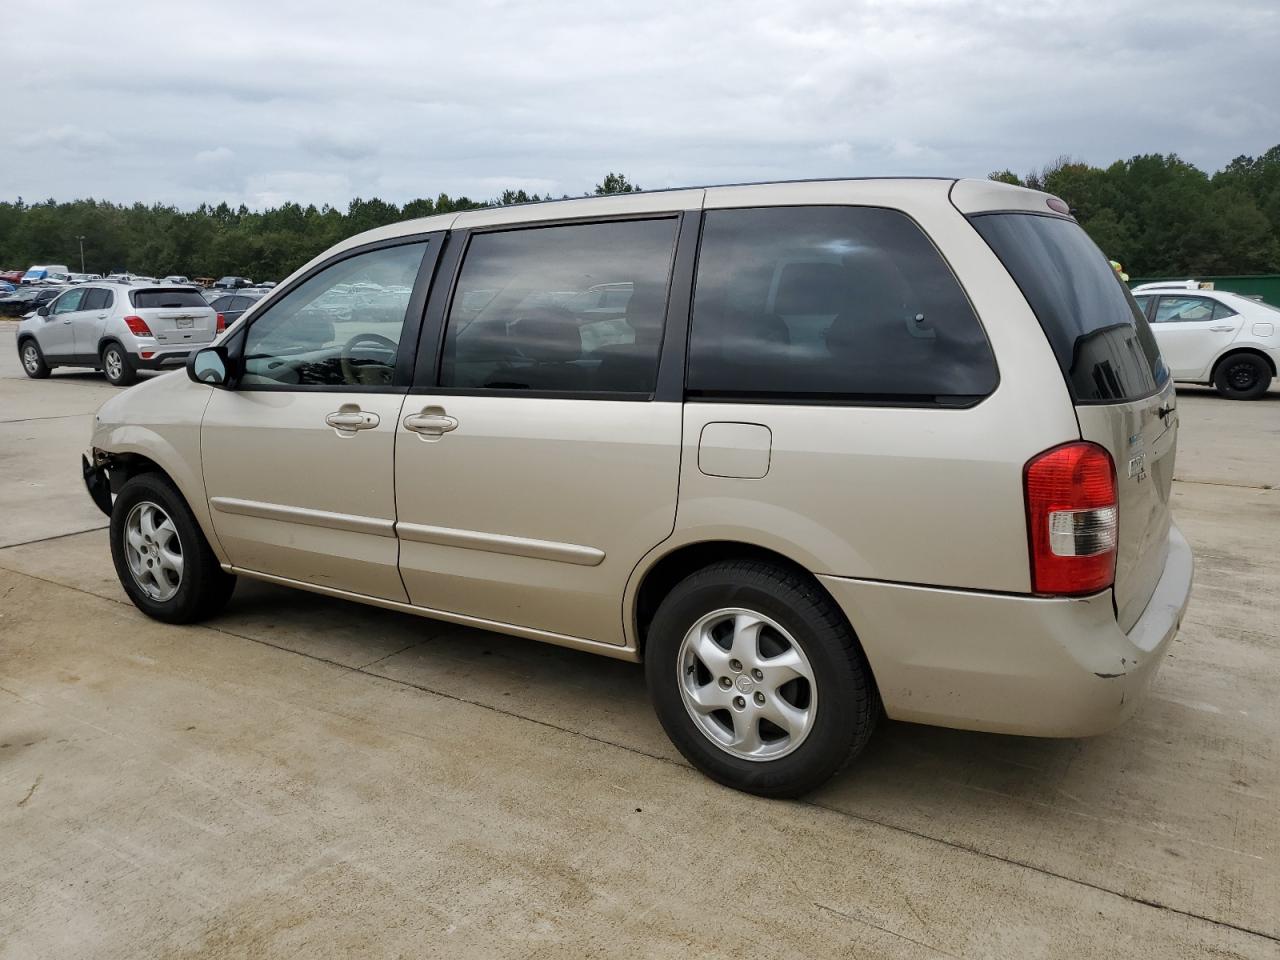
[(1034, 666), (162, 358)]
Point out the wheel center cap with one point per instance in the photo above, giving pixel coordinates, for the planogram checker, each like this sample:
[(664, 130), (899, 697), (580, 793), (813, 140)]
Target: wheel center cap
[(744, 683)]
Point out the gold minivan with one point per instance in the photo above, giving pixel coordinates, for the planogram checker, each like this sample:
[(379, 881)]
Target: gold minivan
[(811, 451)]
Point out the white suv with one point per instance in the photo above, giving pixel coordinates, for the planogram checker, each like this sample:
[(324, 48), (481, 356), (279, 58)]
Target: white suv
[(811, 451), (116, 329), (1214, 337)]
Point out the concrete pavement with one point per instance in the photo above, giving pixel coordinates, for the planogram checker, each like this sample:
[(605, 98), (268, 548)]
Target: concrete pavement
[(306, 777)]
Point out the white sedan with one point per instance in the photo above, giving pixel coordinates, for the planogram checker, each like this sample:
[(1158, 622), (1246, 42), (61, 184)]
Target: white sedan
[(1214, 337)]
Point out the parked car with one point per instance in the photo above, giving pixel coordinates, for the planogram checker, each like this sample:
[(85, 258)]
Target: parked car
[(118, 330), (84, 277), (1212, 337), (7, 287), (26, 299), (176, 279), (51, 273), (233, 283), (844, 444), (229, 306), (12, 276)]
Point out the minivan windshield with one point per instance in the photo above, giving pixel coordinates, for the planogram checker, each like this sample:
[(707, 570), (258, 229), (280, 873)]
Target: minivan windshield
[(1098, 333)]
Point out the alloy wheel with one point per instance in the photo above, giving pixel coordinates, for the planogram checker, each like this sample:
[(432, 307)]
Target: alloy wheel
[(747, 684), (153, 551), (113, 364), (30, 359)]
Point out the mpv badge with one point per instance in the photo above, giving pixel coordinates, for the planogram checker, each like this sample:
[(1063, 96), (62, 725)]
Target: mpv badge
[(1138, 467)]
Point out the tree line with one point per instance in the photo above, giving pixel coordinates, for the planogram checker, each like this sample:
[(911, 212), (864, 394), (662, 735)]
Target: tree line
[(211, 241), (1160, 216), (1155, 213)]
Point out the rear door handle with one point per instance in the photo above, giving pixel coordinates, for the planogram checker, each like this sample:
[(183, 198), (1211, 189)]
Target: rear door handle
[(1222, 329), (349, 418), (431, 424)]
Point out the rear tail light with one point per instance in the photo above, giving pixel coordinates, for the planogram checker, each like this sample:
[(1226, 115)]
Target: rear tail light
[(1072, 520), (222, 324), (137, 326)]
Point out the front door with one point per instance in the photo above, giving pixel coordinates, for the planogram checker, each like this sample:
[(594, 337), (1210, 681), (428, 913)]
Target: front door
[(539, 469), (298, 457), (1191, 331), (56, 335), (89, 320)]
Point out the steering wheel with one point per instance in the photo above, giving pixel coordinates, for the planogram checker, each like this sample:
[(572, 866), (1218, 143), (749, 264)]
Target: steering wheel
[(376, 374)]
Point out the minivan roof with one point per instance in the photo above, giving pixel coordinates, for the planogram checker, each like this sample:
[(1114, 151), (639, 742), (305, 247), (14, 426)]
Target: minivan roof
[(969, 196)]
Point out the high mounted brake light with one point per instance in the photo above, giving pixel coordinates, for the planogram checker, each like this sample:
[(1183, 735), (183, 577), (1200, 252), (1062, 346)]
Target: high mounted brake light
[(1072, 519)]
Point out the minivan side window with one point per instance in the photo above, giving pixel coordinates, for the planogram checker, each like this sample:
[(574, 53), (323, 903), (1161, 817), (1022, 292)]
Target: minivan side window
[(338, 328), (577, 309), (829, 304), (1100, 336)]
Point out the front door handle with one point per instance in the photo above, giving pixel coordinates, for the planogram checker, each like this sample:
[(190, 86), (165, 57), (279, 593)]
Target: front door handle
[(349, 418), (431, 424)]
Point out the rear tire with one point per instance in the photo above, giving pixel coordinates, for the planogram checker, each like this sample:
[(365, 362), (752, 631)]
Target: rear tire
[(161, 556), (1242, 376), (117, 367), (740, 642), (33, 363)]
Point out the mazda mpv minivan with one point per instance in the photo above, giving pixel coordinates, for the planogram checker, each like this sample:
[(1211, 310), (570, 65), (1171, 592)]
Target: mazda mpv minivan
[(810, 451)]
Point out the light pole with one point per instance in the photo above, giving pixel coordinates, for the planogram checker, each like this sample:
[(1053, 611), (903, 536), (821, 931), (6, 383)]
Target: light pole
[(81, 239)]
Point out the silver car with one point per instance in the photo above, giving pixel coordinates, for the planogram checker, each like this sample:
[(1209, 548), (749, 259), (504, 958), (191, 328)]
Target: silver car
[(118, 330)]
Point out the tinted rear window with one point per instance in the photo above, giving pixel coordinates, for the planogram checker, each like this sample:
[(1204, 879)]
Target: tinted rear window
[(1098, 333), (144, 299), (96, 299), (830, 304)]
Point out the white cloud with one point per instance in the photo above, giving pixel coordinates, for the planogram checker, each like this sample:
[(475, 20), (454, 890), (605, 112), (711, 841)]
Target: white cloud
[(316, 102), (216, 157)]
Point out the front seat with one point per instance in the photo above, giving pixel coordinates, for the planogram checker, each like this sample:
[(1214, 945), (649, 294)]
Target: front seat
[(633, 367), (550, 338)]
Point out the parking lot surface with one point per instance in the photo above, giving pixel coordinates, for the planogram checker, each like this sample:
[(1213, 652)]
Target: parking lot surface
[(307, 777)]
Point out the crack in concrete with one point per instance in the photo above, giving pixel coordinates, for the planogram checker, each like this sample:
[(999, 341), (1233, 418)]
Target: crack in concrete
[(23, 801), (875, 926), (1226, 483), (56, 536), (953, 844), (64, 416)]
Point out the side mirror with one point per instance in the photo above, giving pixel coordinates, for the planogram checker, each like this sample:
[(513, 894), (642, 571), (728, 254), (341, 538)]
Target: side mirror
[(208, 366), (43, 309)]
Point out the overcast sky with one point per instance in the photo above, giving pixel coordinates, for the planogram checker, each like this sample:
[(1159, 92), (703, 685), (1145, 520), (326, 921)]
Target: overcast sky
[(273, 100)]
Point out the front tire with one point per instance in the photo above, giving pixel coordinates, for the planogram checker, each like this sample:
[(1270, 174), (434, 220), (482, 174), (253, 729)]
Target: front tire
[(117, 367), (161, 556), (758, 680), (33, 363), (1242, 376)]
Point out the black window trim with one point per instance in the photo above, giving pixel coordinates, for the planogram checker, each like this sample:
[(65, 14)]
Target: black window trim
[(409, 332), (798, 398), (430, 354)]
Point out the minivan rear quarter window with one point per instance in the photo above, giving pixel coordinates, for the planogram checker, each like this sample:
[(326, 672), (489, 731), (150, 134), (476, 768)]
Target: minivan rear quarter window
[(1098, 332), (152, 299), (831, 304)]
